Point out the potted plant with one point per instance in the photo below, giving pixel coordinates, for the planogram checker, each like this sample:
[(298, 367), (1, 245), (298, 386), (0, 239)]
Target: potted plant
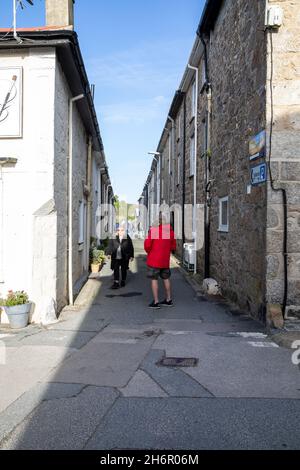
[(97, 258), (17, 308)]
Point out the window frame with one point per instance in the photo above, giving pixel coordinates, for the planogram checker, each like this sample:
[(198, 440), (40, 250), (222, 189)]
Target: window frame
[(224, 228)]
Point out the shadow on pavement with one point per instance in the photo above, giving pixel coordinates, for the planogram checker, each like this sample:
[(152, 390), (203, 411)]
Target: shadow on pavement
[(98, 385)]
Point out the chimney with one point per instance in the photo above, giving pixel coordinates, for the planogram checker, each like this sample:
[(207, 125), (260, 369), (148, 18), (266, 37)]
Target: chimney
[(60, 13)]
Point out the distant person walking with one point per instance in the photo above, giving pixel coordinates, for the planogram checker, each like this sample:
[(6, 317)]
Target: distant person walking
[(121, 252), (159, 245)]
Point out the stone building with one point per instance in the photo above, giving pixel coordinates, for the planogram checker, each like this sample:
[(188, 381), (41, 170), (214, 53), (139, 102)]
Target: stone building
[(53, 171), (243, 78)]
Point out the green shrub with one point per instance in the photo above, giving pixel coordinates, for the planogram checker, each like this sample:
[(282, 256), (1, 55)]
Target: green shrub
[(97, 256), (15, 298)]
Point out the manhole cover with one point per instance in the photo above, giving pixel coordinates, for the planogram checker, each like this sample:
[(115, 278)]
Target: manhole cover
[(178, 362)]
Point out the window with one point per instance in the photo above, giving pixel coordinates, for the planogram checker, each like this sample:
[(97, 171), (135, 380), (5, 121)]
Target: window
[(223, 214), (192, 155), (194, 91)]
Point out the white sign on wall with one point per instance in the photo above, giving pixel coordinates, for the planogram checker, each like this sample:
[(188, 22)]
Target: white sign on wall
[(10, 102)]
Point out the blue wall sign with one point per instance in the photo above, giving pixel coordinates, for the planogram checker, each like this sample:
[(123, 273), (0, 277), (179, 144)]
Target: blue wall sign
[(257, 146), (259, 174)]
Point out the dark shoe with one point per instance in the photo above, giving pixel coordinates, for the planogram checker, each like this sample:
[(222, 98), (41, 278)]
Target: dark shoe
[(115, 285), (166, 303), (154, 305), (123, 283)]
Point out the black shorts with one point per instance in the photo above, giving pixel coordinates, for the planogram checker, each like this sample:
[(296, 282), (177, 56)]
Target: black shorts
[(155, 273)]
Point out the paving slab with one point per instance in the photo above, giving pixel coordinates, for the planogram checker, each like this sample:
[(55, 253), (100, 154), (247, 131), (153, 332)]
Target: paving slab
[(174, 381), (141, 385), (26, 403), (68, 339), (244, 392), (103, 364), (196, 424), (63, 423), (25, 366), (91, 319), (233, 367)]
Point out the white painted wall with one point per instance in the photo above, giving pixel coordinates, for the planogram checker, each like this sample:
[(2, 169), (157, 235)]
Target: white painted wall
[(35, 206), (29, 184)]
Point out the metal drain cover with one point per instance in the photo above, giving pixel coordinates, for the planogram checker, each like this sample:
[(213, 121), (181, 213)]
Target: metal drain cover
[(178, 362)]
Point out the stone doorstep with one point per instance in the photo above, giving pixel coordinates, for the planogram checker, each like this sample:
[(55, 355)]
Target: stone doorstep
[(284, 338)]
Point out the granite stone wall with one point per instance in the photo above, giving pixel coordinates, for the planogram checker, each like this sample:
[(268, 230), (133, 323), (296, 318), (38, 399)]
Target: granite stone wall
[(237, 62), (247, 260)]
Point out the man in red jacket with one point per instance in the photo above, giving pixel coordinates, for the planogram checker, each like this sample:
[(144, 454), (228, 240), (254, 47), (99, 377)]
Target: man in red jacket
[(159, 244)]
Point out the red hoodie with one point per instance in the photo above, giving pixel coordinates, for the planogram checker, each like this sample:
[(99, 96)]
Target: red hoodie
[(159, 244)]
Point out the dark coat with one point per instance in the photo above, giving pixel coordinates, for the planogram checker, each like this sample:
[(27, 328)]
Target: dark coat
[(126, 248)]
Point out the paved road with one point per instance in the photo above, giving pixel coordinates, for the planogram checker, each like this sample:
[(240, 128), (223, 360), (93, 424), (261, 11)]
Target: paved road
[(92, 380)]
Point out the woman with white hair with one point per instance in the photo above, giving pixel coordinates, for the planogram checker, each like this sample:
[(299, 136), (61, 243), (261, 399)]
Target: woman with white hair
[(120, 251)]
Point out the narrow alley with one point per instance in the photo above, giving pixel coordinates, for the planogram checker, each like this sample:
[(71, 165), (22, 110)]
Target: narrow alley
[(97, 381)]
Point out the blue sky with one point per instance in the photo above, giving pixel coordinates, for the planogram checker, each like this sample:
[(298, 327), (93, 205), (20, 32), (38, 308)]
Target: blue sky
[(135, 52)]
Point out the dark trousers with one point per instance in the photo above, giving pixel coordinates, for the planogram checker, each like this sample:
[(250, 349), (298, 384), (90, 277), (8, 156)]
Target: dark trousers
[(120, 263)]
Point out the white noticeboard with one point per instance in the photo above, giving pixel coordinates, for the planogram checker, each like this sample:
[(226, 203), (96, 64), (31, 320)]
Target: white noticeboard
[(10, 102)]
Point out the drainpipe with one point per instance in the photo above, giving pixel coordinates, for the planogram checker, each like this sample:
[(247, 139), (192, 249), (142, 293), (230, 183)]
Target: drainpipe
[(108, 208), (148, 207), (207, 164), (172, 155), (207, 186), (19, 40), (99, 207), (90, 201), (70, 199), (195, 167), (158, 163), (183, 177)]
